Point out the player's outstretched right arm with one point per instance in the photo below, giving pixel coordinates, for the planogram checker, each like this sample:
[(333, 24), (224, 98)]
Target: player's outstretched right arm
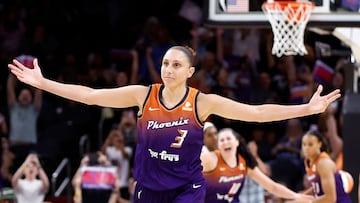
[(115, 97)]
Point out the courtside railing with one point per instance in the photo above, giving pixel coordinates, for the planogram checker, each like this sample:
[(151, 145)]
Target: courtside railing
[(65, 184)]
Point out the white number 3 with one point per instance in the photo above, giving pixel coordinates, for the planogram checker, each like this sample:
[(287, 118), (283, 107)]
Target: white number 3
[(179, 139)]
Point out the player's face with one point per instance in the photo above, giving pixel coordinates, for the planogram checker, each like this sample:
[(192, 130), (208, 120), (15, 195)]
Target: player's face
[(175, 68), (227, 143), (210, 138), (310, 146)]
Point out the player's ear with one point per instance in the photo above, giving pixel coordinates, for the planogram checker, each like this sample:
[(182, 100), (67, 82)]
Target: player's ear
[(191, 71)]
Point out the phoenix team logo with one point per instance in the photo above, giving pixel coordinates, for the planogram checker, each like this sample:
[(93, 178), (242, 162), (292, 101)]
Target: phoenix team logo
[(159, 125)]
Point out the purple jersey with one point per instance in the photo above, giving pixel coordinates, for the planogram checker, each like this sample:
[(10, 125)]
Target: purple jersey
[(169, 142), (223, 184), (314, 178)]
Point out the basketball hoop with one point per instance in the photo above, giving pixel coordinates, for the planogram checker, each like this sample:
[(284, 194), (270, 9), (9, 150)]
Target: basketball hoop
[(288, 21)]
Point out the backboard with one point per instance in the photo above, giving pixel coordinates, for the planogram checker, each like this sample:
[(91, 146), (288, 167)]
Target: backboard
[(244, 13)]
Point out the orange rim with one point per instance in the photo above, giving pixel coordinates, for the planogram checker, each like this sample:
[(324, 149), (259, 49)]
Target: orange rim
[(283, 4), (273, 6)]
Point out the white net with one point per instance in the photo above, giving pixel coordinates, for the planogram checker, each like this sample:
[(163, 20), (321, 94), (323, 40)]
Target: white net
[(288, 22)]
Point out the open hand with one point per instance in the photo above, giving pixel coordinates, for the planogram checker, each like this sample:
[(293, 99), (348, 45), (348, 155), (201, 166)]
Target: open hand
[(318, 103), (28, 75)]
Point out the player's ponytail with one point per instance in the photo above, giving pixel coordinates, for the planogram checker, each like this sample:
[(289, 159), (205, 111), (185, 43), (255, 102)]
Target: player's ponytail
[(244, 151)]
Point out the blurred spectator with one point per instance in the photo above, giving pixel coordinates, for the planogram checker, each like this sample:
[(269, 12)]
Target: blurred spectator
[(154, 73), (267, 60), (24, 111), (122, 79), (95, 180), (109, 74), (247, 44), (12, 32), (262, 91), (119, 156), (302, 85), (265, 138), (221, 87), (258, 136), (265, 147), (3, 126), (205, 77), (202, 38), (240, 69), (40, 43), (7, 158), (149, 33), (283, 75), (126, 75), (291, 142), (287, 167), (70, 67), (224, 48), (30, 189), (155, 41), (95, 70), (128, 128), (210, 137), (242, 78), (338, 82)]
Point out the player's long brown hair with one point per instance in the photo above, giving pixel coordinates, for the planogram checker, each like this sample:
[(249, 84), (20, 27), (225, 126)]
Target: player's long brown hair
[(188, 51)]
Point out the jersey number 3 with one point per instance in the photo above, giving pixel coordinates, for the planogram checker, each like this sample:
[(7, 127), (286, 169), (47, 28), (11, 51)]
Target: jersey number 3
[(179, 139)]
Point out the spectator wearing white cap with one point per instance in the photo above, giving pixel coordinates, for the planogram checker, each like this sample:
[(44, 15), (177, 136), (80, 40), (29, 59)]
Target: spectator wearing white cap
[(210, 137)]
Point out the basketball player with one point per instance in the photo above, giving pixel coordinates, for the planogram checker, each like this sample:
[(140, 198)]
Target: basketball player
[(210, 137), (225, 171), (170, 117), (321, 170)]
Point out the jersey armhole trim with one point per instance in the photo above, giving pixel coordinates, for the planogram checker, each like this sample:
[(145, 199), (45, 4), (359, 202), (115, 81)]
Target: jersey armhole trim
[(146, 99), (201, 124)]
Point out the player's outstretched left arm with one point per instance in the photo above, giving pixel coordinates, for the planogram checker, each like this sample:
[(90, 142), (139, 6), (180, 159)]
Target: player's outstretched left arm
[(276, 188), (214, 104)]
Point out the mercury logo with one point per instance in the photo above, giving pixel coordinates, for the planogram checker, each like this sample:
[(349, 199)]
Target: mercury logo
[(187, 106)]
